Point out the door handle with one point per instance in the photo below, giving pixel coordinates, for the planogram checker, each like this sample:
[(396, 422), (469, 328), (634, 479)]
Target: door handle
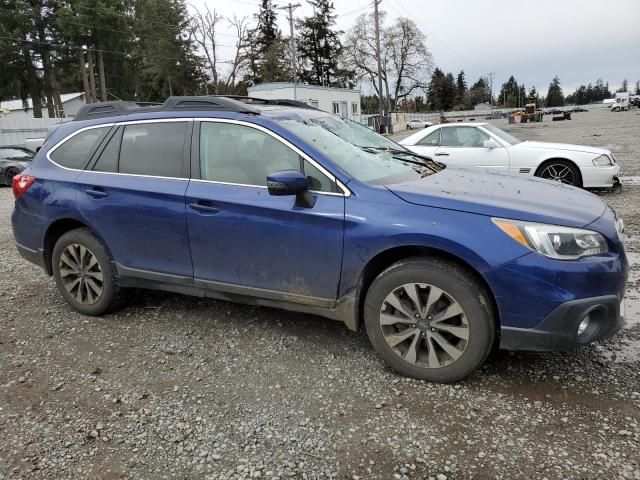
[(204, 207), (96, 193), (442, 154)]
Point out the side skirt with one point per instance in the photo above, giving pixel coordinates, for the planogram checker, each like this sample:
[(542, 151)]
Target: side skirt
[(344, 309)]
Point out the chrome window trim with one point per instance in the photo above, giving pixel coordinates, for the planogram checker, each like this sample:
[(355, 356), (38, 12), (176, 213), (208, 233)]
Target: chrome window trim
[(69, 137), (131, 122), (345, 191)]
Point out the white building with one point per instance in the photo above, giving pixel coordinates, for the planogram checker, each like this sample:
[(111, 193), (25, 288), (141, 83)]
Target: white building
[(71, 103), (341, 101)]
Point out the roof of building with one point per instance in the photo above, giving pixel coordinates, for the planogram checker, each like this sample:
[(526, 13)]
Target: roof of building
[(17, 104), (281, 85)]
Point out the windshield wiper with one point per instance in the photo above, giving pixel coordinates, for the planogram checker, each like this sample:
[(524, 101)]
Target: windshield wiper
[(428, 162)]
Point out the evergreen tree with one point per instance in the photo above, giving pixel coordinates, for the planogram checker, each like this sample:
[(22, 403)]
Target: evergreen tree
[(267, 50), (637, 92), (319, 48), (461, 91), (555, 97), (479, 92), (511, 94), (624, 87)]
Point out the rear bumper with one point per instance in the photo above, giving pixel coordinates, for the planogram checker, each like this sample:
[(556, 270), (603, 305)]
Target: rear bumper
[(558, 331), (34, 256)]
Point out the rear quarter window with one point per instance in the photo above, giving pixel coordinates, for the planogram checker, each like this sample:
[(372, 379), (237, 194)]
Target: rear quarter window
[(76, 151)]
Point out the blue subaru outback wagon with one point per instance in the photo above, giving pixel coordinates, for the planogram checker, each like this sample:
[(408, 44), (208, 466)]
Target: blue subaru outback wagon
[(277, 204)]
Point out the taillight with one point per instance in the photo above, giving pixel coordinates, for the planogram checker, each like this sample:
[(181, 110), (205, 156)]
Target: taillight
[(21, 184)]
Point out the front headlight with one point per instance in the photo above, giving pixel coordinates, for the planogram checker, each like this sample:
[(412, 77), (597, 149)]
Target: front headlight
[(602, 161), (553, 241)]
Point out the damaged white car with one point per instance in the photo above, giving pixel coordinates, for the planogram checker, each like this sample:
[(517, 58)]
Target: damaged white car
[(486, 146)]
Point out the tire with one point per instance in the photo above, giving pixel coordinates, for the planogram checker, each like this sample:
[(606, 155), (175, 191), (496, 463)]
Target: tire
[(454, 292), (80, 248), (409, 127), (10, 173), (562, 171)]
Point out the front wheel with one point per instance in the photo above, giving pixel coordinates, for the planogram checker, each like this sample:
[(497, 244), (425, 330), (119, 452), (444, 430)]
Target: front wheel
[(429, 320), (561, 171)]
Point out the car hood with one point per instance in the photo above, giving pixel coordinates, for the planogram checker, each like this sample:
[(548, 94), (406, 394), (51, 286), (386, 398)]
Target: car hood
[(563, 146), (503, 195)]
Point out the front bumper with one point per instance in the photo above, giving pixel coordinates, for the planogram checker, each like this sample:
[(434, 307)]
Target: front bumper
[(559, 330), (600, 177)]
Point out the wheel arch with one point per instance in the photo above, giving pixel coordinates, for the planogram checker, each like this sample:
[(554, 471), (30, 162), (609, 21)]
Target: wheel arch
[(388, 257), (58, 228), (547, 161)]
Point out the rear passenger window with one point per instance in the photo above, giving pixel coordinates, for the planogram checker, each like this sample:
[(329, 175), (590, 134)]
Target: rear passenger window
[(76, 152), (153, 149), (108, 161)]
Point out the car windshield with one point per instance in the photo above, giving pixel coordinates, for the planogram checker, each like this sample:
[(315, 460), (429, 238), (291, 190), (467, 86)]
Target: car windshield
[(510, 139), (359, 151)]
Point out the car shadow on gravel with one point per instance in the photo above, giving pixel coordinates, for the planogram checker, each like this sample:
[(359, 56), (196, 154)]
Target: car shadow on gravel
[(507, 372)]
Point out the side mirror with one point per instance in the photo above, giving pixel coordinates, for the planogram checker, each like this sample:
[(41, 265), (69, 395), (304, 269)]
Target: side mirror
[(291, 182), (491, 144)]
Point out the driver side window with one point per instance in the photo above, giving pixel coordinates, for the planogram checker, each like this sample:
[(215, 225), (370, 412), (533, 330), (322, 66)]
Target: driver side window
[(431, 140), (243, 155), (469, 137)]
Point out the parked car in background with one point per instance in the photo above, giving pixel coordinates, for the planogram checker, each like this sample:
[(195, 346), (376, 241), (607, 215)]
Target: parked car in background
[(13, 160), (294, 208), (634, 100), (415, 124), (578, 109), (483, 145)]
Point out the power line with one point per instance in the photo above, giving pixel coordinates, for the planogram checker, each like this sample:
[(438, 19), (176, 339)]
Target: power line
[(461, 57), (73, 47)]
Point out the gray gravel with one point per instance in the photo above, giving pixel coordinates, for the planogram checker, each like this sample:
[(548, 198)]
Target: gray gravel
[(178, 387)]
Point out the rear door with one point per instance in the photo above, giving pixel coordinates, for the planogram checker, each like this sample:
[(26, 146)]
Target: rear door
[(244, 240), (463, 146), (133, 195)]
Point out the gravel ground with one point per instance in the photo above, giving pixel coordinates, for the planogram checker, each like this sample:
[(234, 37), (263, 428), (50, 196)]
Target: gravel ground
[(178, 387)]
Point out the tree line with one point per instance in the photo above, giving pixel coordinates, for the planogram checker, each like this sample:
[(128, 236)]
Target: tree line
[(146, 50)]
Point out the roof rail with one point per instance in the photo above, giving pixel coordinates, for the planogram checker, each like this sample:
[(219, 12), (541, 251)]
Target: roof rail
[(227, 103), (271, 101), (208, 102), (110, 109)]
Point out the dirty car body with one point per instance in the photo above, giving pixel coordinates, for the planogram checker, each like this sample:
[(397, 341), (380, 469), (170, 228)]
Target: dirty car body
[(229, 234)]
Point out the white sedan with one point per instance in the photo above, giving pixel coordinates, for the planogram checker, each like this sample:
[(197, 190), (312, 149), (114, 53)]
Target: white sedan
[(486, 146), (415, 124)]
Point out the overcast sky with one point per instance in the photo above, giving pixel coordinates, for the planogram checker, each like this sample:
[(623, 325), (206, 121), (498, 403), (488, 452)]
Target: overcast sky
[(579, 40)]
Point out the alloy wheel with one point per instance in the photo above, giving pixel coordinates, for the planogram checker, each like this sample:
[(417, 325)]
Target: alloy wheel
[(424, 325), (559, 173), (81, 274)]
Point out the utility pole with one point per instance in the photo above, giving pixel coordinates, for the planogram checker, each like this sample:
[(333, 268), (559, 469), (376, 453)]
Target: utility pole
[(292, 41), (377, 29), (491, 74)]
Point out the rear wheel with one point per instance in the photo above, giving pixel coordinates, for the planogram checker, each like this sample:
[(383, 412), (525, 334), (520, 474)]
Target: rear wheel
[(429, 320), (560, 171), (83, 273)]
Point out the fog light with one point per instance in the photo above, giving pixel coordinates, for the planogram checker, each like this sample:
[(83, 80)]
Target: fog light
[(583, 325)]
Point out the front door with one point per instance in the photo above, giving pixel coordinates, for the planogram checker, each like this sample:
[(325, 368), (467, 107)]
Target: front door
[(134, 197), (247, 241), (464, 147)]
